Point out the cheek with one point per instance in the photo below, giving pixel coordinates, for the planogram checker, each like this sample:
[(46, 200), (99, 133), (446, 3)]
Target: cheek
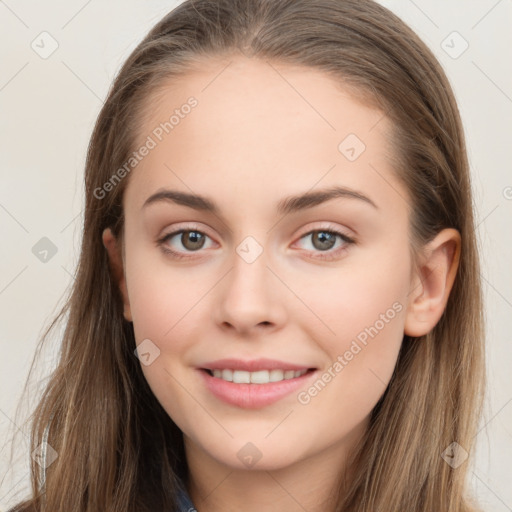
[(162, 299), (162, 305), (365, 309), (370, 290)]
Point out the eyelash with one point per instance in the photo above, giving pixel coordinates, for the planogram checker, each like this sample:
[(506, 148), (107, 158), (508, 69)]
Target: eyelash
[(322, 255)]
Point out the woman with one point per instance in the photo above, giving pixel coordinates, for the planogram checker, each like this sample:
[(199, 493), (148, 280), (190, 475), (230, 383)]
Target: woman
[(324, 348)]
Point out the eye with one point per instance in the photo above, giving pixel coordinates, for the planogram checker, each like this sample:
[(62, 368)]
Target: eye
[(328, 241), (190, 240)]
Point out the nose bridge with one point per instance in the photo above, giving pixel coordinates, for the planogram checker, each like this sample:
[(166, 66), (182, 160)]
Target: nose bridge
[(250, 294), (249, 279)]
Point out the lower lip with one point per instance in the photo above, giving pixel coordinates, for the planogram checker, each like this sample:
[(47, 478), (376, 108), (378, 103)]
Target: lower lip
[(253, 396)]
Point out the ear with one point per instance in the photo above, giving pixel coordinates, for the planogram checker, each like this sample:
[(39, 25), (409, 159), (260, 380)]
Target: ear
[(117, 268), (432, 283)]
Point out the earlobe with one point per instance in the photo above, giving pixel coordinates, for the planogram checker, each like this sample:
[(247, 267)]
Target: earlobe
[(433, 283), (117, 268)]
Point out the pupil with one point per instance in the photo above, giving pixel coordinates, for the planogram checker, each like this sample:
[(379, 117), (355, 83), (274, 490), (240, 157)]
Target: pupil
[(192, 240), (326, 240)]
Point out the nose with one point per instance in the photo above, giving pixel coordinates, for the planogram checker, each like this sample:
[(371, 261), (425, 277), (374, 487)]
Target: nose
[(250, 299)]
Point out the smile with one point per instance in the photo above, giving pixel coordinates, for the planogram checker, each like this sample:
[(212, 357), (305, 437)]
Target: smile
[(255, 389), (257, 377)]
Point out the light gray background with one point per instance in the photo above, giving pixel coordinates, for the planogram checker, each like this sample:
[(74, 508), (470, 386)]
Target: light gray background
[(48, 107)]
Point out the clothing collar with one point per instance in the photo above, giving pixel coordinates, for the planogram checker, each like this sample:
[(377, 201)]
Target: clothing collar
[(184, 502)]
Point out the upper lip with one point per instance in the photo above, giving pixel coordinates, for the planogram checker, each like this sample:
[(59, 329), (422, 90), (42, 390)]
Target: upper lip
[(252, 365)]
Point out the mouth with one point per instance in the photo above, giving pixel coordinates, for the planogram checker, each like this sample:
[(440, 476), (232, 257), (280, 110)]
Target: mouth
[(256, 377), (254, 384)]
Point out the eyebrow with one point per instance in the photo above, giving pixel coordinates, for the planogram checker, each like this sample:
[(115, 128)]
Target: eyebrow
[(285, 206)]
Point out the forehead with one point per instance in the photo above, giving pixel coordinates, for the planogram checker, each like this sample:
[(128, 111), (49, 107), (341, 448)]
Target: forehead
[(259, 128)]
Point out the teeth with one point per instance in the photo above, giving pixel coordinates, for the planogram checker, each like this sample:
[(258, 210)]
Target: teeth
[(259, 377), (275, 375), (227, 375), (240, 377)]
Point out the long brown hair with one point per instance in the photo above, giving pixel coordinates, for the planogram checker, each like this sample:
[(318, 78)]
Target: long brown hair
[(118, 450)]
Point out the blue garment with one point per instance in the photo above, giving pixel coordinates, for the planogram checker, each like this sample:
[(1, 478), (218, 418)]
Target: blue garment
[(184, 502)]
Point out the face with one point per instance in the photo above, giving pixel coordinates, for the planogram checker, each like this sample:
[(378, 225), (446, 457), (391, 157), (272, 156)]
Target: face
[(250, 285)]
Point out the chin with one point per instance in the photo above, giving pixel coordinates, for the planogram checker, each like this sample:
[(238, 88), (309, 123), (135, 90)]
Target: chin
[(254, 456)]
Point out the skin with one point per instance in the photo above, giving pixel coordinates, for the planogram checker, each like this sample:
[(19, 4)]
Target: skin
[(256, 137)]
